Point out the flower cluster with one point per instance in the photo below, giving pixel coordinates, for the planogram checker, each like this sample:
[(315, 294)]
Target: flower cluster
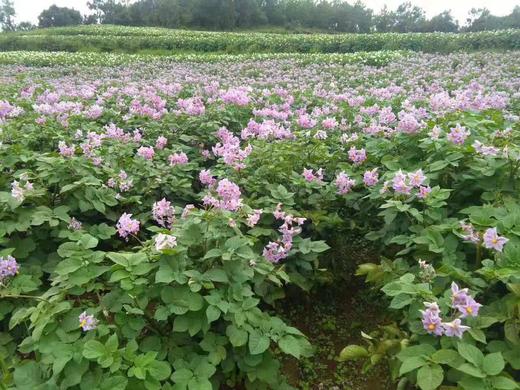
[(228, 196), (278, 250), (8, 267), (165, 241), (87, 321), (178, 159), (344, 183), (19, 192), (127, 226), (403, 183), (310, 176), (490, 239), (229, 149), (121, 182), (461, 301), (162, 212)]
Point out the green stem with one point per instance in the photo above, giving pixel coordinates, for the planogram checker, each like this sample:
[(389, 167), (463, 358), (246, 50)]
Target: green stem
[(23, 296), (479, 255)]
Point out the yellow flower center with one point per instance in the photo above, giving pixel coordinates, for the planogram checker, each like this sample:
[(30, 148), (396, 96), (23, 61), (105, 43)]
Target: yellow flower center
[(469, 309), (82, 323), (494, 240), (431, 326)]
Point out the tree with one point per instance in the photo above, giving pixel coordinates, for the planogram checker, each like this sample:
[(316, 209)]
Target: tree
[(25, 26), (59, 16), (7, 14), (442, 22)]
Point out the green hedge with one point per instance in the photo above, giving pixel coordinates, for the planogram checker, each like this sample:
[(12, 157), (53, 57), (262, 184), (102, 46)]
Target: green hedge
[(135, 39)]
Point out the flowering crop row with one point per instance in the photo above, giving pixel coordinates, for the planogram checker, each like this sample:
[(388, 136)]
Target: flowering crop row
[(133, 39), (150, 214)]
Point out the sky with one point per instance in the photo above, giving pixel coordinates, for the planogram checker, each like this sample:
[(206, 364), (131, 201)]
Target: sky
[(28, 10)]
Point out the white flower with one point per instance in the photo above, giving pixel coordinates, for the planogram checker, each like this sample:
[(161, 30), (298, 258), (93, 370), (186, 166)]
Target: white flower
[(165, 241)]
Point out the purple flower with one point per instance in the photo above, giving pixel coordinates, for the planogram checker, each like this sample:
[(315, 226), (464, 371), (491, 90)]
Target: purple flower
[(252, 219), (344, 183), (207, 178), (416, 178), (370, 178), (162, 212), (454, 328), (146, 152), (424, 191), (493, 241), (431, 320), (357, 156), (161, 142), (8, 267), (178, 159), (87, 321), (126, 225), (65, 151), (74, 224), (469, 308), (458, 134), (463, 302)]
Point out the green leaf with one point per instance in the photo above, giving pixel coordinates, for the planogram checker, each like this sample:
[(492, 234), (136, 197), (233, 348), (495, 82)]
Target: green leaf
[(504, 383), (472, 383), (447, 356), (182, 376), (258, 343), (237, 337), (352, 352), (159, 370), (493, 363), (112, 343), (400, 301), (430, 377), (93, 349), (471, 370), (411, 364), (471, 353), (290, 344), (425, 350), (114, 383)]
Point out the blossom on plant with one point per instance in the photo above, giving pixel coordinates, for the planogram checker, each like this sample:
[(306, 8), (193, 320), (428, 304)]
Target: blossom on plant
[(162, 212), (178, 159), (228, 196), (370, 178), (344, 183), (417, 178), (431, 320), (357, 156), (207, 178), (146, 152), (8, 267), (252, 219), (18, 192), (458, 134), (463, 302), (435, 133), (485, 150), (65, 151), (126, 225), (424, 191), (320, 134), (310, 176), (493, 241), (400, 183), (87, 321), (161, 142), (454, 328), (165, 241), (470, 234), (74, 224), (186, 211)]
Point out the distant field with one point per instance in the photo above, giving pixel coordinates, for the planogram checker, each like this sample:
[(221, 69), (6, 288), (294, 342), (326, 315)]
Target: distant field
[(164, 41)]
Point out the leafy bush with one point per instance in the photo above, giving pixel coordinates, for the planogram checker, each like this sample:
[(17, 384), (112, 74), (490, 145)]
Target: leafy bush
[(152, 216)]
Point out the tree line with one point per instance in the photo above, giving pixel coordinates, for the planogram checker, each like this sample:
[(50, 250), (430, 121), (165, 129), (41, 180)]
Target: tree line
[(292, 15)]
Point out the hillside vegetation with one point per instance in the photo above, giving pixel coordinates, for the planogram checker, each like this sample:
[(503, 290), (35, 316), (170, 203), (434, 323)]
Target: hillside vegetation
[(116, 39)]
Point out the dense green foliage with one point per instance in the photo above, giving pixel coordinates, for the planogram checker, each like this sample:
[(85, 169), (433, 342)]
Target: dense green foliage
[(154, 210), (115, 39)]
